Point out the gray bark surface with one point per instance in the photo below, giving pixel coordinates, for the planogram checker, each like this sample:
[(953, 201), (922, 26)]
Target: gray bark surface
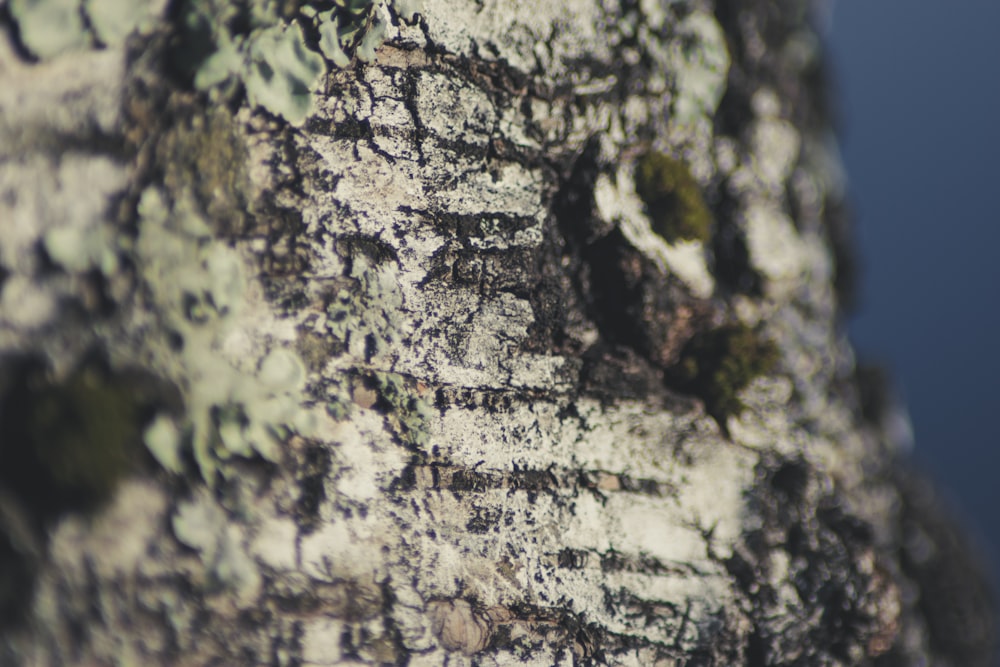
[(380, 352)]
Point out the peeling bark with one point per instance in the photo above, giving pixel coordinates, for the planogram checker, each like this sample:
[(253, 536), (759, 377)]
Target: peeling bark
[(408, 369)]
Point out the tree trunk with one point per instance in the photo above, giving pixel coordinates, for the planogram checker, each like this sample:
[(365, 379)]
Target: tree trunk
[(465, 333)]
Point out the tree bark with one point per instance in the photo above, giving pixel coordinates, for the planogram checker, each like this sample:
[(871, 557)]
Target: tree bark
[(465, 333)]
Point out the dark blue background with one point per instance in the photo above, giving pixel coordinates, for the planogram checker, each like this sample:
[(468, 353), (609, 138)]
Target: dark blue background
[(918, 86)]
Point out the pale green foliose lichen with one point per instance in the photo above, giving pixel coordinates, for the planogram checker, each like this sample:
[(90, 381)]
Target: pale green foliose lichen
[(342, 27), (271, 58), (201, 524), (282, 73), (163, 440), (114, 20), (238, 403), (48, 28), (410, 414), (80, 249), (700, 62), (360, 317), (372, 40), (279, 72), (358, 27)]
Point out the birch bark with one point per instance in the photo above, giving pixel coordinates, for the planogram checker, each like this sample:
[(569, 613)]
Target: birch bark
[(405, 361)]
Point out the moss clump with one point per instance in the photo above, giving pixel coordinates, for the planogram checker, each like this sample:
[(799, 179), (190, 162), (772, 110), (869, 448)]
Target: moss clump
[(673, 199), (65, 445), (718, 364), (207, 154)]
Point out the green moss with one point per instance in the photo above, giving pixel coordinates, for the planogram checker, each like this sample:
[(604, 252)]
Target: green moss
[(65, 445), (207, 155), (673, 199), (83, 429), (717, 365)]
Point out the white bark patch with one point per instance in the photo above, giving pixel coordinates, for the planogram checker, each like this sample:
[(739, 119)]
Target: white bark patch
[(633, 441), (528, 34), (514, 190), (775, 144), (321, 642), (618, 203), (454, 112), (274, 544), (775, 247), (765, 424)]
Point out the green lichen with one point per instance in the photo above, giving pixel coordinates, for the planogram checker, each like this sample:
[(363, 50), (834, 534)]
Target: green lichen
[(80, 249), (360, 327), (282, 73), (357, 27), (277, 70), (48, 28), (360, 316), (114, 20), (338, 408), (163, 440), (237, 404), (717, 365), (207, 155), (201, 524), (673, 199), (408, 413), (344, 28), (229, 46), (261, 47), (408, 9)]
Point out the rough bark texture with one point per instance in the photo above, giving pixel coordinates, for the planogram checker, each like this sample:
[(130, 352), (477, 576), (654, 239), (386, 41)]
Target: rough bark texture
[(516, 344)]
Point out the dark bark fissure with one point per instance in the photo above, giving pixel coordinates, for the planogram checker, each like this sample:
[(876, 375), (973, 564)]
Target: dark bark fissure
[(843, 609)]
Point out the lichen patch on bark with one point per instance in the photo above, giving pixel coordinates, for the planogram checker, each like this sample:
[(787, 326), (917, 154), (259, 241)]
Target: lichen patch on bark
[(426, 348)]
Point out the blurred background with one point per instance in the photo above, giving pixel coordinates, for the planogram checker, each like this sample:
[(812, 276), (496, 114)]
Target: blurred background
[(918, 86)]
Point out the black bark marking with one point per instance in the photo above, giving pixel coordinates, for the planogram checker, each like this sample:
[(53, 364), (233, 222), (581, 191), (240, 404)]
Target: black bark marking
[(313, 472)]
